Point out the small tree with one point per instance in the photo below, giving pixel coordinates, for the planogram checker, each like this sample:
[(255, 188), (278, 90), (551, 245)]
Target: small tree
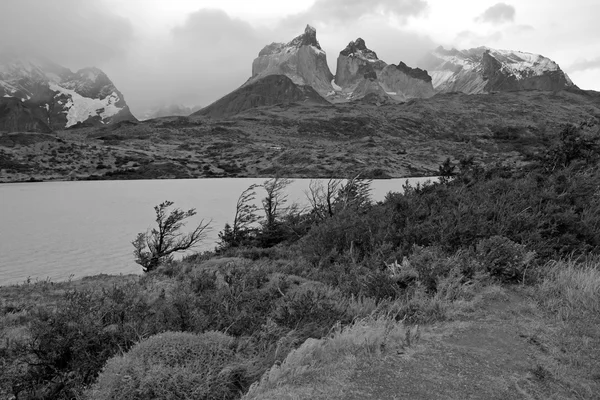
[(276, 198), (447, 171), (273, 204), (322, 198), (245, 217), (153, 248), (354, 194)]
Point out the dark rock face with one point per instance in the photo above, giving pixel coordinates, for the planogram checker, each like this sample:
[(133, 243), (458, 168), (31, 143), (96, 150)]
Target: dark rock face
[(416, 73), (61, 98), (484, 70), (359, 47), (15, 116), (267, 91)]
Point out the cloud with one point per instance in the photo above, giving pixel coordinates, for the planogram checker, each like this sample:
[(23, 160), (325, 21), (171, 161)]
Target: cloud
[(207, 56), (392, 44), (211, 26), (584, 65), (340, 11), (72, 32), (498, 14), (473, 39), (523, 28)]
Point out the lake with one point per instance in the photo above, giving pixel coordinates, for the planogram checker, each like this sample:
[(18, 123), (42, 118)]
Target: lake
[(59, 230)]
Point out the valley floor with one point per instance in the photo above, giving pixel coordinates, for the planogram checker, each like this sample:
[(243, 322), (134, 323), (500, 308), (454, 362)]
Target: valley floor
[(305, 141)]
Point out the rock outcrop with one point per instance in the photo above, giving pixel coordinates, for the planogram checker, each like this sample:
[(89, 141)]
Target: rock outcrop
[(485, 70), (58, 97), (267, 91), (302, 60), (360, 72)]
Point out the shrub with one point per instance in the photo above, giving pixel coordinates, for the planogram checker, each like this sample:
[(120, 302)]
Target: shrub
[(504, 258), (171, 365), (431, 264)]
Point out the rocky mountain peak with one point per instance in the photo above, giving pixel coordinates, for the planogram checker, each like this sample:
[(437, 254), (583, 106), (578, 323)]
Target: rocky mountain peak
[(358, 48), (302, 60), (308, 38)]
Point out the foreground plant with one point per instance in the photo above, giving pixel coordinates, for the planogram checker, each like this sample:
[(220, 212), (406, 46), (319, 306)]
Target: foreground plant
[(154, 248)]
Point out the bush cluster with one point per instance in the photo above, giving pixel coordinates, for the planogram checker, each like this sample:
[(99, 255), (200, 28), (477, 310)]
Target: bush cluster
[(171, 365)]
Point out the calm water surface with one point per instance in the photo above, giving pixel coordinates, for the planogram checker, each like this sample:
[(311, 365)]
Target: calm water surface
[(61, 229)]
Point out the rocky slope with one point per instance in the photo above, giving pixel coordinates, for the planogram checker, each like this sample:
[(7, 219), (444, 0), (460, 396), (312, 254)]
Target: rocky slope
[(267, 91), (55, 97), (360, 73), (485, 70), (302, 60)]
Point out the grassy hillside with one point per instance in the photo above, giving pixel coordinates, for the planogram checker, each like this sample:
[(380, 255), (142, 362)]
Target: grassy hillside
[(484, 285)]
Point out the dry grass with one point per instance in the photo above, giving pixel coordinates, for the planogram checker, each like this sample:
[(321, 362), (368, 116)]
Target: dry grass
[(570, 294), (572, 288), (321, 367)]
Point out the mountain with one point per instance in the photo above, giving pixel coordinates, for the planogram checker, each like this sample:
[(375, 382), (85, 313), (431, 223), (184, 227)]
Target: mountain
[(56, 97), (360, 73), (267, 91), (169, 110), (302, 60), (485, 70), (16, 116)]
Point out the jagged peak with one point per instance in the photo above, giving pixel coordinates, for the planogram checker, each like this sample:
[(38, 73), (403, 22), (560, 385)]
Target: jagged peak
[(359, 48), (417, 73), (308, 38)]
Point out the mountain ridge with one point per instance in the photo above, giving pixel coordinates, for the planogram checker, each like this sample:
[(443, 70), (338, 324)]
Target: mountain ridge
[(58, 97), (484, 70)]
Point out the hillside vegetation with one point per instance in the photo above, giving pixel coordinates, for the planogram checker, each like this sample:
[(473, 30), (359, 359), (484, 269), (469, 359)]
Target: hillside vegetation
[(484, 285), (369, 136)]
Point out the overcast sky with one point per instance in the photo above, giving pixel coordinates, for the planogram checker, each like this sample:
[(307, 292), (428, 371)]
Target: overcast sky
[(194, 51)]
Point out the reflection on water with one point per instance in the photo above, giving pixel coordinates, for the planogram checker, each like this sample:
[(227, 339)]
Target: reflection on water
[(63, 229)]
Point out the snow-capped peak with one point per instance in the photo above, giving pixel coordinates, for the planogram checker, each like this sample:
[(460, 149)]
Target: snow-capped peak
[(484, 69)]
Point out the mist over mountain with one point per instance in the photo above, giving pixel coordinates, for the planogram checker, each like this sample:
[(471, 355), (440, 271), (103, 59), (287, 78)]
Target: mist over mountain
[(40, 95)]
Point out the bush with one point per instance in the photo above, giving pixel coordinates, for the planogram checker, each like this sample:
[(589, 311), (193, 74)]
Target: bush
[(504, 258), (431, 264), (171, 365)]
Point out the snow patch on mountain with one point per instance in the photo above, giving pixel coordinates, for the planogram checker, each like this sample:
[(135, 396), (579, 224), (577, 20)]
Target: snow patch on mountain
[(81, 108), (483, 69), (440, 77)]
